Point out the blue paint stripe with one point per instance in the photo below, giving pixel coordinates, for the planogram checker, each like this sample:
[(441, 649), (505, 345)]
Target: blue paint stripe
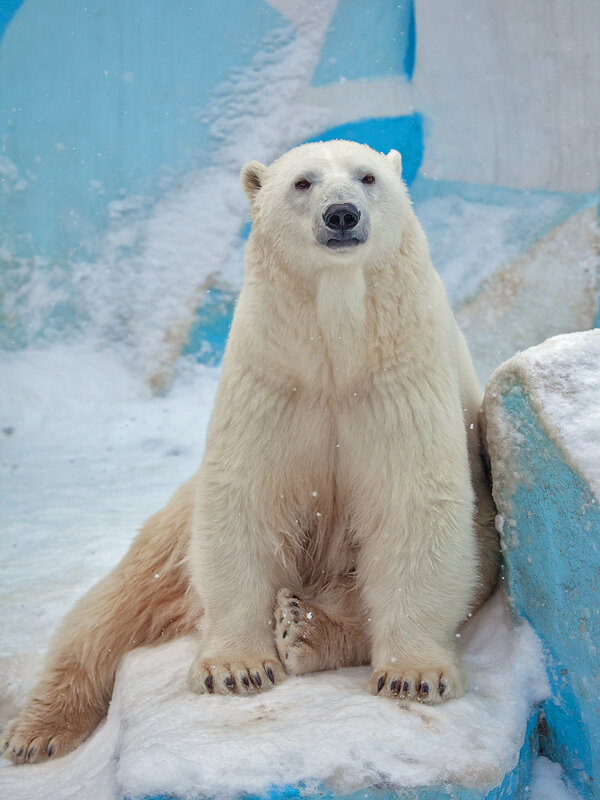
[(367, 40), (8, 8), (210, 328), (403, 133), (411, 44)]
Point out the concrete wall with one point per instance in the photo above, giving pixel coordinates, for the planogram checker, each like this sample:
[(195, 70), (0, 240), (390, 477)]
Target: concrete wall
[(511, 92)]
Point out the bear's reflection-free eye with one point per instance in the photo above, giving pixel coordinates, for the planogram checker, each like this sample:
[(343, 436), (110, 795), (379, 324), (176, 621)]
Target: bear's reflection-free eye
[(303, 184), (369, 179)]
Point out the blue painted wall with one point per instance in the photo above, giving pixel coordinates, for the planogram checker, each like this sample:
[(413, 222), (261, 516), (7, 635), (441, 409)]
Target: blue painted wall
[(102, 99), (368, 40), (113, 100), (109, 100)]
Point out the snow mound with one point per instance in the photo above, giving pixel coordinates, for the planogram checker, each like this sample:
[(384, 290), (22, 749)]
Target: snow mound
[(321, 729), (561, 378)]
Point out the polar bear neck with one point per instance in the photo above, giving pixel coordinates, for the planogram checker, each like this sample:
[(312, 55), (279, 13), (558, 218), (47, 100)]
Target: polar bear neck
[(341, 314), (331, 333)]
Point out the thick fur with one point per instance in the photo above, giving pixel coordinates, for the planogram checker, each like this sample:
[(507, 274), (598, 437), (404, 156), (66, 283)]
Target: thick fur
[(342, 467)]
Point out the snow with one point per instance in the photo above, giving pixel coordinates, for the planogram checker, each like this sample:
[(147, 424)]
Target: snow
[(473, 231), (325, 728), (551, 289), (561, 377), (87, 454), (548, 782)]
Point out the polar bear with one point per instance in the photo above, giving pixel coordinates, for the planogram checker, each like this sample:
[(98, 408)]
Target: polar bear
[(342, 513)]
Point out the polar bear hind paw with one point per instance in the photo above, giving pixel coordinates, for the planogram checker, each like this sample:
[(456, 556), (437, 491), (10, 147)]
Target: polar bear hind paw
[(292, 627), (431, 685), (241, 676), (26, 741)]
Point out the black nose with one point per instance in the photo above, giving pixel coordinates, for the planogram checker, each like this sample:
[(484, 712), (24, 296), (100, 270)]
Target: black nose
[(341, 217)]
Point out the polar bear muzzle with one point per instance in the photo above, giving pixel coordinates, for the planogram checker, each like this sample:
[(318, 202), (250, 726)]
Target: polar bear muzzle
[(341, 219), (342, 227)]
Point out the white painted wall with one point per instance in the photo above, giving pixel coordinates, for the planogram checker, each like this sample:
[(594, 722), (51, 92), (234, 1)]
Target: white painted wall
[(510, 91)]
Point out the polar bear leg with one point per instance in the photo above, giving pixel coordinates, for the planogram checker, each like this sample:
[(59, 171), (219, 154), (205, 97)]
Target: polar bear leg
[(237, 578), (322, 633), (417, 571), (415, 602)]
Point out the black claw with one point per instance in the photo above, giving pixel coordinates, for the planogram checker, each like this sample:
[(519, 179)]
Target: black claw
[(270, 675), (208, 682), (425, 688), (30, 753), (294, 604), (51, 750), (257, 679), (380, 683), (394, 685), (285, 633), (245, 680), (294, 597), (18, 753), (405, 686), (229, 682), (287, 655), (280, 620), (442, 688)]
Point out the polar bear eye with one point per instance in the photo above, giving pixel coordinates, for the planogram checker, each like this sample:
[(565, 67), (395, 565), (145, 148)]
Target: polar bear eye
[(369, 179), (303, 185)]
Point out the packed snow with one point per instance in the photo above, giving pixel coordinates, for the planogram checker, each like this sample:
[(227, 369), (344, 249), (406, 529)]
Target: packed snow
[(549, 783)]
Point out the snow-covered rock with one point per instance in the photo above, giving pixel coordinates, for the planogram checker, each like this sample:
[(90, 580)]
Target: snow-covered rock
[(542, 409)]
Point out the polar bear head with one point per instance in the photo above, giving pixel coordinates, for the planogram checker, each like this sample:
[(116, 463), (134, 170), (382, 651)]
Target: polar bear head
[(328, 203)]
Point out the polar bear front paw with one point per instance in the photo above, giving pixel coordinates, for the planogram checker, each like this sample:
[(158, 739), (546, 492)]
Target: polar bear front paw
[(431, 685), (239, 676)]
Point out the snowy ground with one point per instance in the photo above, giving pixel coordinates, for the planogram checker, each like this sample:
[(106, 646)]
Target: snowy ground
[(87, 453)]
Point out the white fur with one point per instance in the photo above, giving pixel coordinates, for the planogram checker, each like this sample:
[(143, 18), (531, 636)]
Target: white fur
[(338, 433)]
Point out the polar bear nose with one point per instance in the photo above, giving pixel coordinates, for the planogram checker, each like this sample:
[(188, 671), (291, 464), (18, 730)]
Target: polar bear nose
[(341, 217)]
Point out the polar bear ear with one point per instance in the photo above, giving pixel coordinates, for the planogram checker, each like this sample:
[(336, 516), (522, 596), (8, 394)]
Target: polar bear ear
[(253, 174), (395, 160)]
